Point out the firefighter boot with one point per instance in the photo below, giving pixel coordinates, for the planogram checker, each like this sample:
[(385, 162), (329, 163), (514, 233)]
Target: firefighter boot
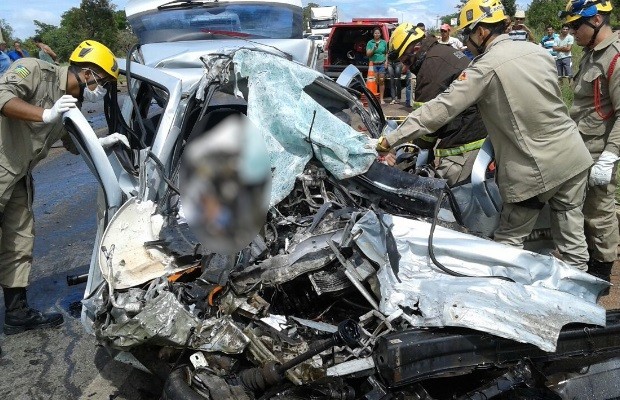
[(20, 317), (600, 269)]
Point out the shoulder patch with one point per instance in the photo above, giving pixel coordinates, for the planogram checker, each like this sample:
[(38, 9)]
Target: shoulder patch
[(21, 71), (462, 77)]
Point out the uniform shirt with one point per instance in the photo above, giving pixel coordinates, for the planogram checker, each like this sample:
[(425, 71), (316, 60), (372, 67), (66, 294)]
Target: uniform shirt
[(440, 66), (548, 41), (5, 62), (380, 54), (24, 143), (537, 145), (559, 42), (594, 66)]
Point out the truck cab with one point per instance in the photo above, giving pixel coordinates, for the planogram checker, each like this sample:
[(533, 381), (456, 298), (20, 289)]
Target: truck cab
[(347, 43)]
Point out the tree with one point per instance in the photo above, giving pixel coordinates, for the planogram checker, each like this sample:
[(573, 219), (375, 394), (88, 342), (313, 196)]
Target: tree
[(306, 15), (94, 19), (7, 31), (544, 12)]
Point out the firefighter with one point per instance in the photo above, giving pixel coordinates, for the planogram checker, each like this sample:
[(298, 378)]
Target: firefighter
[(435, 67), (33, 96), (596, 108), (539, 154)]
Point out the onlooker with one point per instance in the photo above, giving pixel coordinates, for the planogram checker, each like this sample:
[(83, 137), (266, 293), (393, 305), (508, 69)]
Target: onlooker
[(596, 109), (18, 52), (519, 31), (395, 70), (444, 30), (539, 154), (5, 60), (376, 50), (563, 46), (410, 78), (45, 52), (455, 144), (548, 40), (33, 96)]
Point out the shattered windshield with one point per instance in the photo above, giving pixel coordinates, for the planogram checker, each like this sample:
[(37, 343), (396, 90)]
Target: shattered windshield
[(217, 21)]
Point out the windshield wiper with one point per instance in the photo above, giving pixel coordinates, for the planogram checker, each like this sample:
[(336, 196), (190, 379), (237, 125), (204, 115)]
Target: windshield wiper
[(231, 34), (186, 4)]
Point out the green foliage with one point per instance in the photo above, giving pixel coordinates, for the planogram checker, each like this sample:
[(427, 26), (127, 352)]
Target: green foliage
[(93, 19), (121, 20), (509, 7), (7, 32), (544, 12)]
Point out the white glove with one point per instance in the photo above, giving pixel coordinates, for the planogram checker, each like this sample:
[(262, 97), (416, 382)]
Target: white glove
[(111, 140), (600, 173), (62, 104)]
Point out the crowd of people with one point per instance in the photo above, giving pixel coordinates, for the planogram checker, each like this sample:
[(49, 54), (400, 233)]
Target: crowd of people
[(545, 153), (559, 47), (7, 57)]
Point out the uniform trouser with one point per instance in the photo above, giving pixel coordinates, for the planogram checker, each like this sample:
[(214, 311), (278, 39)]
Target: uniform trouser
[(517, 220), (601, 224), (456, 168), (16, 234), (599, 211)]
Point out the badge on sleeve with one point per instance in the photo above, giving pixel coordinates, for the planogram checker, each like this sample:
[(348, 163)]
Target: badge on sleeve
[(21, 71), (462, 77)]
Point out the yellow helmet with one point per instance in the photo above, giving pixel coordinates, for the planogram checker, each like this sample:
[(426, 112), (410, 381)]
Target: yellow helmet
[(576, 9), (404, 34), (477, 11), (90, 51)]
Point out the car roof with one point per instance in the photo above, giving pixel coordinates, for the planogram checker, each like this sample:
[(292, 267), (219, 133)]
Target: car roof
[(139, 6)]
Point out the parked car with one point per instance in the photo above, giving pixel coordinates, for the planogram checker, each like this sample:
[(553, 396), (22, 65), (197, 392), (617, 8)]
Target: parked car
[(319, 40)]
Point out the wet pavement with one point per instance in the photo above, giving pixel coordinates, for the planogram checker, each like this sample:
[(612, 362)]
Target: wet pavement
[(65, 362)]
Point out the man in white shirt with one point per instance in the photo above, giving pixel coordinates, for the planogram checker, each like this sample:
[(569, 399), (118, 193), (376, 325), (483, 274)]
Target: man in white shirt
[(447, 39), (564, 61)]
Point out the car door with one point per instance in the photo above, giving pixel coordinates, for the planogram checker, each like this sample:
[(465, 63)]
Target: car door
[(150, 114)]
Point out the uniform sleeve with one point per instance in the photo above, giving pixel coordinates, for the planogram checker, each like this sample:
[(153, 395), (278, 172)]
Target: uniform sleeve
[(464, 92), (18, 81), (613, 141), (68, 144)]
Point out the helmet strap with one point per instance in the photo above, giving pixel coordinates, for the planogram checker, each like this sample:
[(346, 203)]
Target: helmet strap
[(596, 30), (75, 70), (482, 46)]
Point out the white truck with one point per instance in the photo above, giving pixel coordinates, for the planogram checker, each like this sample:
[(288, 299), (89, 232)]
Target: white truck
[(321, 19)]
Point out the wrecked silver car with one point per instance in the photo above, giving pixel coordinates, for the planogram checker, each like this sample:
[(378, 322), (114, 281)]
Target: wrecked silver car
[(363, 282)]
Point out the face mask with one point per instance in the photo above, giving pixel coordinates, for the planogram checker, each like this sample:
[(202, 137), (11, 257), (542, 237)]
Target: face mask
[(94, 96)]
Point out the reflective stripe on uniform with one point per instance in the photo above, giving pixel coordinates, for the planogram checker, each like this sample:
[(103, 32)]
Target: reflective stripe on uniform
[(453, 151)]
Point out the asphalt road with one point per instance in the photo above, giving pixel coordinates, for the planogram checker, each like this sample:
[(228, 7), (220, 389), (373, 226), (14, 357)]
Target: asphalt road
[(65, 362)]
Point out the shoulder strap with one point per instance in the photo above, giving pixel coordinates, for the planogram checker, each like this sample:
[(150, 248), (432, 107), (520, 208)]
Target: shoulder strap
[(612, 66)]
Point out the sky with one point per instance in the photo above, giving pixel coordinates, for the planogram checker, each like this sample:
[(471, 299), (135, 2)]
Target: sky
[(21, 15)]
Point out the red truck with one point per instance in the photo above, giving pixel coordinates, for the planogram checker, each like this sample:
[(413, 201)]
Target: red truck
[(347, 43)]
